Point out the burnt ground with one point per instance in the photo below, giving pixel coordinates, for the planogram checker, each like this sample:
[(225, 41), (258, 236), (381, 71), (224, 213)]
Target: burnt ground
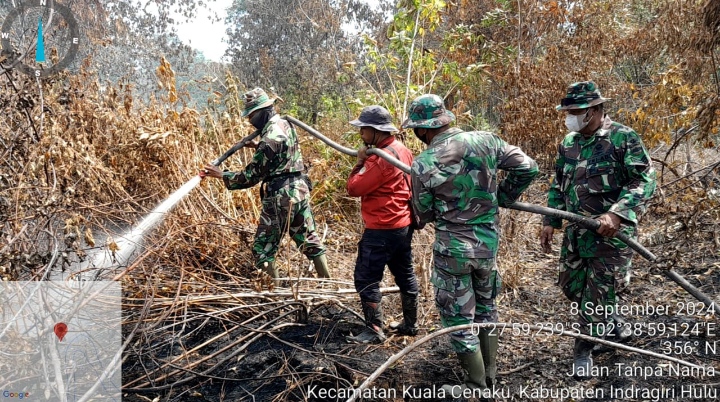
[(311, 360)]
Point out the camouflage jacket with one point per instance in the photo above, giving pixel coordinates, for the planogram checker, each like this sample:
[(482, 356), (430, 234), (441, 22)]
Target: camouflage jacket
[(610, 171), (455, 185), (278, 153)]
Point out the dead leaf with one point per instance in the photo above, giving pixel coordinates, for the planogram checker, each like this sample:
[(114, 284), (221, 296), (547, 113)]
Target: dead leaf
[(89, 239)]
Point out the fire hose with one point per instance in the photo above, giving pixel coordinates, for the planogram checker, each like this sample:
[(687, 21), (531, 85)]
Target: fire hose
[(585, 222), (588, 223), (235, 148)]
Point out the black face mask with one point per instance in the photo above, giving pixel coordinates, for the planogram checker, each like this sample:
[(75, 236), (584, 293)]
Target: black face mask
[(422, 138), (261, 117)]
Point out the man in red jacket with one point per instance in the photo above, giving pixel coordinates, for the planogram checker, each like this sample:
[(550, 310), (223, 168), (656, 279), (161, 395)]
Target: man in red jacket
[(384, 192)]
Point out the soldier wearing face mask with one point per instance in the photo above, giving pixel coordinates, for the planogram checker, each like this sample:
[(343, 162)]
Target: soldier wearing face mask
[(285, 191), (602, 171)]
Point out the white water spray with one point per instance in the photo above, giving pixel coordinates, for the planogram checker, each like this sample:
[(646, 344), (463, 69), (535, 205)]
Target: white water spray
[(128, 245)]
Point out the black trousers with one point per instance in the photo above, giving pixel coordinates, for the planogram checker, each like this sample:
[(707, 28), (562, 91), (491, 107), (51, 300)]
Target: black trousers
[(380, 247)]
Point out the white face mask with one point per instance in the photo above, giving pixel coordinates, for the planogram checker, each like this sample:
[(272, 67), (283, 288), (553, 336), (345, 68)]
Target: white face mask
[(577, 122)]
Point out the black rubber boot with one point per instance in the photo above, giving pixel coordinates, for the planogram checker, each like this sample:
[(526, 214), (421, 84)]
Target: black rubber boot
[(373, 325), (408, 326), (489, 346), (474, 367), (582, 359), (621, 333)]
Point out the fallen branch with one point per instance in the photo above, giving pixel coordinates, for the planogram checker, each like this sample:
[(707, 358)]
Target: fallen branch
[(516, 369), (308, 294), (231, 346), (10, 242), (394, 358), (204, 373)]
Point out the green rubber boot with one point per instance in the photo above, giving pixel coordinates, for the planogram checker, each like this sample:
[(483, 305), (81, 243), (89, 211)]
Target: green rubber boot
[(489, 346), (474, 367), (321, 267), (270, 269)]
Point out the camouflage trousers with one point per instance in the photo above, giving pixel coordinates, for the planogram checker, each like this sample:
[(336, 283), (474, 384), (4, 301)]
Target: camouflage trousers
[(282, 213), (465, 290), (591, 282)]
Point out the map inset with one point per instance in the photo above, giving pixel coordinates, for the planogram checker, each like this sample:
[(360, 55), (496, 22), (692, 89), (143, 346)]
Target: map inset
[(60, 341)]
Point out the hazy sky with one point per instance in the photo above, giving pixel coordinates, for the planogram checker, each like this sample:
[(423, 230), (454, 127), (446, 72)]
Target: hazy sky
[(204, 35), (207, 37)]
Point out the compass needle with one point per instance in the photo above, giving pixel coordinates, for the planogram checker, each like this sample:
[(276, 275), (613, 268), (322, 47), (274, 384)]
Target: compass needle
[(40, 49)]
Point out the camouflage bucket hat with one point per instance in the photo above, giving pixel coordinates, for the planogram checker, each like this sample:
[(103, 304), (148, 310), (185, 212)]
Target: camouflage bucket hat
[(428, 111), (377, 117), (581, 95), (256, 99)]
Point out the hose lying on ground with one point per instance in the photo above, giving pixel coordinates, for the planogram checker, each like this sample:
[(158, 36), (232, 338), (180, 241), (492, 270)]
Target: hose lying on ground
[(358, 392)]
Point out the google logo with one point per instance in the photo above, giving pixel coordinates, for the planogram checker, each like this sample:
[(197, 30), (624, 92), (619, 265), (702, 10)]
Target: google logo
[(18, 395)]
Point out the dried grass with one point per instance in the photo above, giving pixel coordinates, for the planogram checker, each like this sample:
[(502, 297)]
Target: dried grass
[(103, 159)]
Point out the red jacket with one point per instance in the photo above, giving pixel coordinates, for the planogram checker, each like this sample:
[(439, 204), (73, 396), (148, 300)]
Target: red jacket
[(383, 189)]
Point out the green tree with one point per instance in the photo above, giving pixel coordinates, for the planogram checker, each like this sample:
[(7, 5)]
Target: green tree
[(296, 48)]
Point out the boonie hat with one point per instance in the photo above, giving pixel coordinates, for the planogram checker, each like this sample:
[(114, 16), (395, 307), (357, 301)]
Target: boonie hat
[(428, 111), (375, 116), (256, 99), (581, 95)]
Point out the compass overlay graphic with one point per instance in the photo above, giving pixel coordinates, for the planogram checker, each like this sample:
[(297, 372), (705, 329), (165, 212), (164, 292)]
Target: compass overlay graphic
[(39, 38)]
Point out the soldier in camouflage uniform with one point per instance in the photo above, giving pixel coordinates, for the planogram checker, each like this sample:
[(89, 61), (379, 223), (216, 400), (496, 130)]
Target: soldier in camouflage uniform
[(455, 185), (602, 171), (278, 164)]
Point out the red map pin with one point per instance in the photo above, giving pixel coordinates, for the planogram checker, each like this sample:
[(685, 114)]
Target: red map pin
[(60, 330)]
